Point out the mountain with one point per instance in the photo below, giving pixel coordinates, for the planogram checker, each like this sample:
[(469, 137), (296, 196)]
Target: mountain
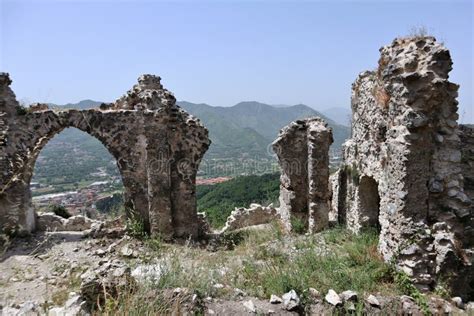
[(81, 105), (243, 123), (339, 115)]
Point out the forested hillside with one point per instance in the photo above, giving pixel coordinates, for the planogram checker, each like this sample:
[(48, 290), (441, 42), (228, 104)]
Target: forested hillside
[(219, 200)]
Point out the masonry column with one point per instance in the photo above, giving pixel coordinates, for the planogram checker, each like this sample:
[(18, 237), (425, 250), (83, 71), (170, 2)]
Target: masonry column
[(319, 139), (302, 148), (159, 185)]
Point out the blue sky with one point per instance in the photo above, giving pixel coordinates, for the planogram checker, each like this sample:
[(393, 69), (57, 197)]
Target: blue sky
[(219, 52)]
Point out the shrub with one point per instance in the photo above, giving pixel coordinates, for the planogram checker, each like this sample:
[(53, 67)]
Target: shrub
[(60, 210), (406, 286), (136, 228), (20, 110), (418, 31), (298, 226)]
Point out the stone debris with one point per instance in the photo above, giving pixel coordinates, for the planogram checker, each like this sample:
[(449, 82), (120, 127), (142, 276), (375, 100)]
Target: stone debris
[(333, 298), (127, 252), (52, 222), (148, 272), (302, 149), (26, 308), (457, 301), (188, 301), (407, 166), (250, 306), (275, 299), (291, 300), (470, 307), (347, 296), (256, 214), (113, 278), (373, 301), (115, 228), (315, 294), (350, 307), (75, 305), (157, 146)]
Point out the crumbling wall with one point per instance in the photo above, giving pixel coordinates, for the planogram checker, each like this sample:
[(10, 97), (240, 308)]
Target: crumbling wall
[(256, 214), (467, 158), (157, 145), (405, 148), (302, 148)]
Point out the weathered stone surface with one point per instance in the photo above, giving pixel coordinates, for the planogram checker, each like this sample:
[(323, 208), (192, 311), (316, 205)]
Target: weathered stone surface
[(157, 145), (274, 299), (333, 298), (73, 306), (302, 148), (467, 158), (256, 214), (348, 296), (404, 164), (373, 301), (53, 222), (291, 300), (112, 279), (250, 306)]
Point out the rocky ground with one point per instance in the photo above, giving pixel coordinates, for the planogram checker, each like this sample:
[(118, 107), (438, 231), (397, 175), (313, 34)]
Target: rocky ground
[(258, 271)]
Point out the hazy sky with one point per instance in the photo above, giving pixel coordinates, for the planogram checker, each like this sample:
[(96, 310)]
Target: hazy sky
[(219, 52)]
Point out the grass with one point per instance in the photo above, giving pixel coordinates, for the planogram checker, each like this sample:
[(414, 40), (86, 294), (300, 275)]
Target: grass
[(265, 262), (298, 225), (352, 263)]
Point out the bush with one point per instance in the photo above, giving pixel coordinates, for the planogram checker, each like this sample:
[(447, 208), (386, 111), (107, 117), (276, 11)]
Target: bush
[(136, 228), (298, 226), (20, 110), (60, 210)]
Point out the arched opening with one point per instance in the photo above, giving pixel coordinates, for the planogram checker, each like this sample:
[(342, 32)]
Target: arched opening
[(75, 173), (369, 202)]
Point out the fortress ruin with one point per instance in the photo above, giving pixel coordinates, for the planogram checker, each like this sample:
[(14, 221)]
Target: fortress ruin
[(408, 165), (157, 145), (408, 169)]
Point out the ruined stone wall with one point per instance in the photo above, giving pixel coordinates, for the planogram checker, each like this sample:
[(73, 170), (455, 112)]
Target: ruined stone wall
[(256, 214), (467, 158), (302, 148), (157, 145), (402, 166)]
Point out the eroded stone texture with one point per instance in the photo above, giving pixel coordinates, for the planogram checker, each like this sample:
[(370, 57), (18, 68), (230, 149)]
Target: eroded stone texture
[(157, 145), (403, 172), (467, 158), (302, 148), (256, 214)]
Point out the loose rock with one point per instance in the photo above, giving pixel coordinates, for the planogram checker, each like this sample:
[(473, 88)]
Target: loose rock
[(333, 298)]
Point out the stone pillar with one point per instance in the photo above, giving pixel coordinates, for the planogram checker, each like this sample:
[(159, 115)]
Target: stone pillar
[(302, 148), (319, 140)]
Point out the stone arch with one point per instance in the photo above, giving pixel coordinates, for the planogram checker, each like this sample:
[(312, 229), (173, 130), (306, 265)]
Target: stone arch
[(40, 150), (157, 146), (369, 200)]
